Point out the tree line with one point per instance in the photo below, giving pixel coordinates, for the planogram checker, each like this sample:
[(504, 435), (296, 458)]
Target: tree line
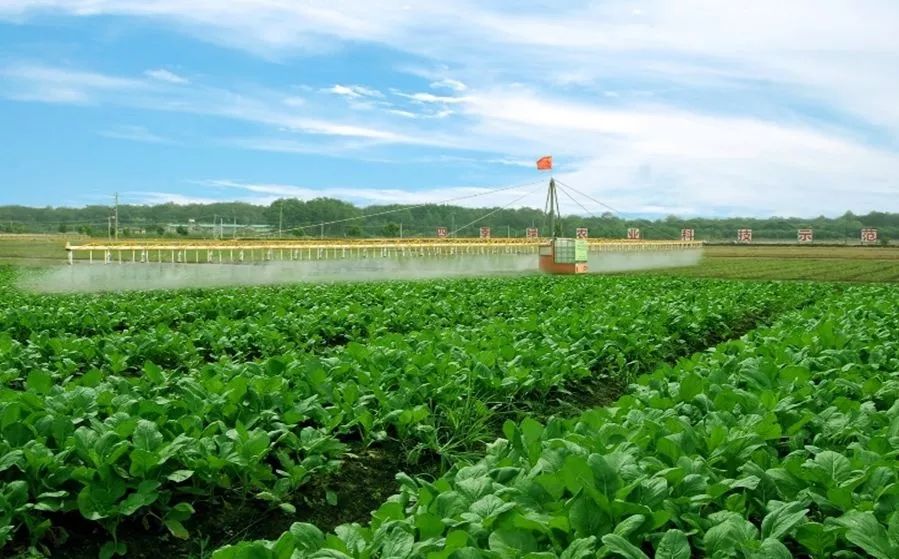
[(335, 218)]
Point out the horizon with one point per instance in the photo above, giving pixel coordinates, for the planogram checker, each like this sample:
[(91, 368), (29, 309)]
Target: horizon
[(656, 108)]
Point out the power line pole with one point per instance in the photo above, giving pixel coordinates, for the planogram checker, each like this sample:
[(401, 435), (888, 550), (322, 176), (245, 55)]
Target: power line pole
[(116, 216), (401, 230)]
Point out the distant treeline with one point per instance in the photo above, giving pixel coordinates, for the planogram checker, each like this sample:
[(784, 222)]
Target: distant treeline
[(304, 218)]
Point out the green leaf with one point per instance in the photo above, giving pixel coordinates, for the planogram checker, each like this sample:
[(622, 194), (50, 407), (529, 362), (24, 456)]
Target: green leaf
[(153, 373), (398, 543), (147, 436), (98, 499), (690, 387), (352, 535), (576, 473), (331, 498), (39, 381), (587, 518), (604, 475), (864, 530), (275, 366), (308, 536), (630, 525), (580, 548), (834, 465), (893, 528), (180, 475), (145, 495), (772, 549), (820, 540), (622, 547), (490, 506), (673, 545), (176, 528), (731, 533), (244, 550), (284, 547), (782, 520), (16, 457), (429, 525), (111, 549), (456, 539), (511, 544)]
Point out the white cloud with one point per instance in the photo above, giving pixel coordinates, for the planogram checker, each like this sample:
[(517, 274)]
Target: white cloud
[(638, 159), (404, 113), (164, 75), (528, 193), (448, 83), (431, 98), (354, 91), (765, 107), (150, 198), (134, 134), (38, 82), (49, 84)]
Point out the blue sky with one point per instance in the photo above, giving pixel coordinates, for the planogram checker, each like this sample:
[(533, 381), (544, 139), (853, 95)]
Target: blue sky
[(693, 107)]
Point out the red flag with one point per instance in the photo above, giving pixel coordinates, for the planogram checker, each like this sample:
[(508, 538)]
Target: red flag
[(545, 163)]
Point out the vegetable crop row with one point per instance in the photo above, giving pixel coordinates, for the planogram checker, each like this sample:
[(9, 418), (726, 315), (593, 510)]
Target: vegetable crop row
[(112, 442), (781, 444)]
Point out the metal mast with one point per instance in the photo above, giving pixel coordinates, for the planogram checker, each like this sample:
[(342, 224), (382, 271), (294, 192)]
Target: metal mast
[(551, 209)]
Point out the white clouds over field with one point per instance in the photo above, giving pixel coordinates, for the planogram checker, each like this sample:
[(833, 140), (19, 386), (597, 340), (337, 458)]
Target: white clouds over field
[(694, 106)]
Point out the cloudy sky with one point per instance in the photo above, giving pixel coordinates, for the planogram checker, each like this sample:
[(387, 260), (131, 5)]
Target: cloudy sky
[(656, 107)]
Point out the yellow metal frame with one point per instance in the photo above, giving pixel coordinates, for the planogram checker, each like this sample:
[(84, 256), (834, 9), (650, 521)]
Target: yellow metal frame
[(189, 251), (251, 244)]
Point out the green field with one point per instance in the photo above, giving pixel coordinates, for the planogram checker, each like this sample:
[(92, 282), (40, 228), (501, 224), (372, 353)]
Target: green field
[(786, 262), (33, 250), (643, 415), (780, 444), (854, 264)]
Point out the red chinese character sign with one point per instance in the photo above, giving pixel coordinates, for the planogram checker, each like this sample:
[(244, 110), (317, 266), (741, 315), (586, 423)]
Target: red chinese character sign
[(581, 232), (687, 234), (744, 235), (805, 235), (633, 233), (441, 232), (869, 235), (532, 233), (485, 232)]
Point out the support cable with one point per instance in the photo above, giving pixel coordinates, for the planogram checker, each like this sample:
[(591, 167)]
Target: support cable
[(648, 227), (485, 216), (589, 197), (407, 208), (573, 199)]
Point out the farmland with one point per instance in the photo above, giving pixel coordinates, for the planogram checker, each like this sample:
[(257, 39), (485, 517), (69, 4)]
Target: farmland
[(835, 263), (776, 262), (550, 416), (780, 444)]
